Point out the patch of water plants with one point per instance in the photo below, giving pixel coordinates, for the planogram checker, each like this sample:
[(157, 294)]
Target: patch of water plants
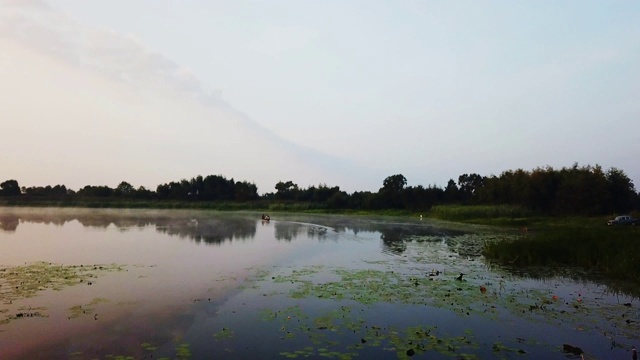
[(614, 252), (343, 333), (181, 351), (428, 277), (26, 281), (86, 309)]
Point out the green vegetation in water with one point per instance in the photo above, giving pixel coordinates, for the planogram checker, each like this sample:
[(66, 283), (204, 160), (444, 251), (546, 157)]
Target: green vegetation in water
[(614, 252), (355, 334), (21, 282), (148, 346), (582, 242), (223, 334), (182, 352), (86, 309), (482, 214), (412, 280)]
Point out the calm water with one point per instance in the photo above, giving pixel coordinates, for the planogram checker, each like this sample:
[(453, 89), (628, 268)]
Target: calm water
[(100, 284)]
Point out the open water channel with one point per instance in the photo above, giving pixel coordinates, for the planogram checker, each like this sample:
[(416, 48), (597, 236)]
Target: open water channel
[(142, 284)]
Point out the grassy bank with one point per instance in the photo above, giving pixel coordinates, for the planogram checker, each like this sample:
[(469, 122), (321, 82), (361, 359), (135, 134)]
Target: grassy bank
[(499, 215), (583, 242), (613, 251)]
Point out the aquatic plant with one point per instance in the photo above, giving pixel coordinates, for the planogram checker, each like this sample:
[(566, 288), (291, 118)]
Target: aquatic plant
[(613, 252)]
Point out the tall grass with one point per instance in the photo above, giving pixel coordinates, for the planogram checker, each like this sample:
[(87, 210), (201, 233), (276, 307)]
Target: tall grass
[(487, 214), (613, 251)]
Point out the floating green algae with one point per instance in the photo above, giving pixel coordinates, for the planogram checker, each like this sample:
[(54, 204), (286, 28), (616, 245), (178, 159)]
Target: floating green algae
[(26, 281), (148, 346), (355, 335), (183, 351), (223, 334), (427, 274), (86, 309), (19, 282)]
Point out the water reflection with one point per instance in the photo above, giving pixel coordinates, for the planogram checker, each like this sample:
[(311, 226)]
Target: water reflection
[(217, 228), (9, 223), (199, 227), (585, 277), (174, 289), (211, 231)]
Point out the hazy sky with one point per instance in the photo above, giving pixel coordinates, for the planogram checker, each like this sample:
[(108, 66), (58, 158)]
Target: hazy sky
[(337, 92)]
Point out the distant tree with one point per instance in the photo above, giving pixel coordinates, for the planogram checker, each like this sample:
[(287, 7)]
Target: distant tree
[(362, 200), (338, 200), (286, 190), (217, 187), (143, 193), (176, 190), (322, 193), (245, 191), (451, 192), (60, 190), (394, 183), (10, 188), (125, 189), (421, 198), (95, 191), (621, 191), (57, 191), (582, 191), (469, 184), (391, 193)]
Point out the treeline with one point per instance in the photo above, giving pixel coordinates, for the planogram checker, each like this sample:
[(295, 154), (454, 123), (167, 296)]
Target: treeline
[(576, 190)]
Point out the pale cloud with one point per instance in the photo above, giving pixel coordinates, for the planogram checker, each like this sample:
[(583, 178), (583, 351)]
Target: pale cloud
[(105, 51), (80, 105), (431, 90)]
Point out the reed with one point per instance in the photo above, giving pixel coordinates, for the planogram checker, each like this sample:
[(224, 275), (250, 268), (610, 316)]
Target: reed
[(486, 214), (615, 252)]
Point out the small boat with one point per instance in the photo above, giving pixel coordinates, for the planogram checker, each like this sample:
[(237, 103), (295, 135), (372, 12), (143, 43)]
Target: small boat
[(266, 217)]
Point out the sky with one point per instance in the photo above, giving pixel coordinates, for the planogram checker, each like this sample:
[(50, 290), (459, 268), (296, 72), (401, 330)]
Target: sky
[(343, 93)]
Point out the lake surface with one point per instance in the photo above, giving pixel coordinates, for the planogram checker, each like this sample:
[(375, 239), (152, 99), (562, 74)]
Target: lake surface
[(112, 284)]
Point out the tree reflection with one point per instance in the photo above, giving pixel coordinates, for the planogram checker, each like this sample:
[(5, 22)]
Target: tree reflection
[(211, 230), (201, 227), (9, 222), (287, 231), (218, 227)]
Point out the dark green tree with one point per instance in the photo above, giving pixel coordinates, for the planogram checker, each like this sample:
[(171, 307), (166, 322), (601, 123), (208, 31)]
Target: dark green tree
[(125, 189), (10, 188), (392, 191), (621, 191), (286, 190), (245, 191), (469, 184), (451, 192), (95, 191), (394, 183)]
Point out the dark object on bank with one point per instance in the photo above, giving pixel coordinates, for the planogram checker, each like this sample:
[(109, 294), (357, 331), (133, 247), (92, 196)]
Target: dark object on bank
[(266, 217), (572, 349), (624, 220)]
